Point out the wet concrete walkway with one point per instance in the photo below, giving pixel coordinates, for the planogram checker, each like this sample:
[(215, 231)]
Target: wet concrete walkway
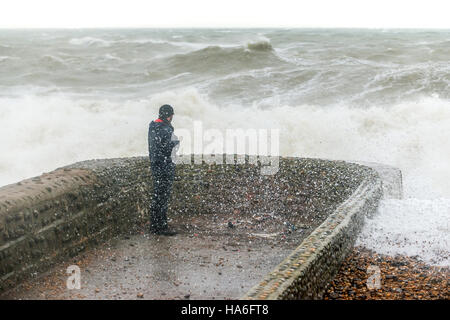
[(206, 260)]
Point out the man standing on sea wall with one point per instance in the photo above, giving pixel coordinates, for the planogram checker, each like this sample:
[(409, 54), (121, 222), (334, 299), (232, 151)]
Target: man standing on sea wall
[(160, 146)]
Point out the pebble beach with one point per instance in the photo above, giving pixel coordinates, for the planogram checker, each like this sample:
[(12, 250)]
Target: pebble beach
[(401, 278)]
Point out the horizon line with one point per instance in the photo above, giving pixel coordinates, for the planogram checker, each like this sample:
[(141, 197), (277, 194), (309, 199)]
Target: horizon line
[(230, 27)]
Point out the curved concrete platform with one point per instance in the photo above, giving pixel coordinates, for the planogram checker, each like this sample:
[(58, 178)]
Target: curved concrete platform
[(59, 218)]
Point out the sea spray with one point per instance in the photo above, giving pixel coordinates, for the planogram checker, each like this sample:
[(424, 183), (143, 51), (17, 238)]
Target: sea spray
[(412, 136)]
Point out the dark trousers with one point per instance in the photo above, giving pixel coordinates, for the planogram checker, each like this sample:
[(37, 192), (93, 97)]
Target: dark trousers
[(162, 188)]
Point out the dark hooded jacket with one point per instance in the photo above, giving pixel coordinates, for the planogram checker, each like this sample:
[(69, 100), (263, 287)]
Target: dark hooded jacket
[(160, 143)]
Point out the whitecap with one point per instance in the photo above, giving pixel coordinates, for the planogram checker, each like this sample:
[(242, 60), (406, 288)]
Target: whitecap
[(89, 41)]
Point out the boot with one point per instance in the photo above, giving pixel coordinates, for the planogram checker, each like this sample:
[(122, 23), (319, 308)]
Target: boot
[(165, 232)]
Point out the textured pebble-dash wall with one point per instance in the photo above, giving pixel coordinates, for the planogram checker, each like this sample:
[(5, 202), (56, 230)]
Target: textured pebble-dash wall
[(56, 215), (47, 219)]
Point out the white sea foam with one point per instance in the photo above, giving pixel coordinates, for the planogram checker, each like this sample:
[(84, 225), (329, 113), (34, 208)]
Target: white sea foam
[(112, 57), (52, 60), (410, 227), (5, 58), (411, 135), (89, 41)]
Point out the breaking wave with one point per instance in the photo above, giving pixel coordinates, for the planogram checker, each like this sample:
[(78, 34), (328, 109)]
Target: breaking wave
[(263, 45), (6, 58), (89, 41), (412, 227), (219, 59), (411, 135)]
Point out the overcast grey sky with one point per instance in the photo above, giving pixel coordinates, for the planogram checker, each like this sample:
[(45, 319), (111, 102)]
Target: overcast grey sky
[(225, 13)]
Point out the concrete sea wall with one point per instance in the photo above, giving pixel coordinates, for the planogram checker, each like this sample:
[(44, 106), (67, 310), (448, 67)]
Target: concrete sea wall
[(50, 218)]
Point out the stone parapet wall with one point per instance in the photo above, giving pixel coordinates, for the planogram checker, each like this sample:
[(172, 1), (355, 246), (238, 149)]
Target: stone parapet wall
[(307, 271), (50, 218)]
